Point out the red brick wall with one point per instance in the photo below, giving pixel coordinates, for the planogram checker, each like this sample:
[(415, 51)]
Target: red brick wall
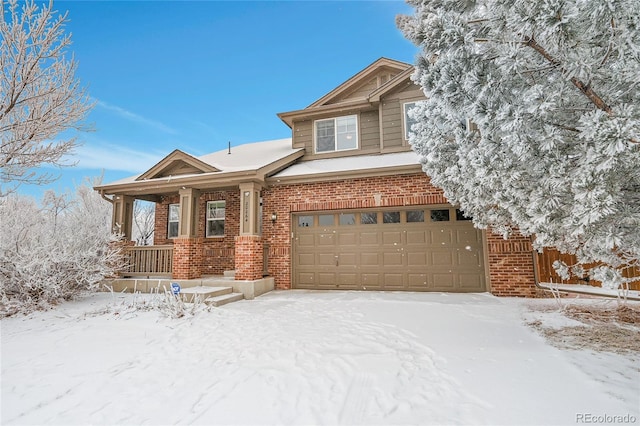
[(511, 267), (510, 262), (187, 257), (248, 257), (217, 253)]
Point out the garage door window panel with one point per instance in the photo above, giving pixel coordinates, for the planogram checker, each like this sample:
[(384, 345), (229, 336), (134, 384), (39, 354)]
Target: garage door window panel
[(415, 216), (440, 215), (347, 219), (461, 216), (391, 217), (305, 221), (368, 218), (326, 220)]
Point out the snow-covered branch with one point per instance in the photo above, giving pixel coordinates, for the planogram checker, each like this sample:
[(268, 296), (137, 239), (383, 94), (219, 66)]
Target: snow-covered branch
[(40, 98)]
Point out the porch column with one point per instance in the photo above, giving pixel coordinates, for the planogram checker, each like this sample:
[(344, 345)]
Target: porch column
[(187, 247), (248, 245), (188, 226), (249, 208), (122, 217)]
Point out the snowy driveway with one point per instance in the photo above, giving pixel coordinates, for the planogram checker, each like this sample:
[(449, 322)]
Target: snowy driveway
[(302, 357)]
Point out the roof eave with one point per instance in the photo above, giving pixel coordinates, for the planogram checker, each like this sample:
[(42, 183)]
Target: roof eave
[(347, 174), (290, 116)]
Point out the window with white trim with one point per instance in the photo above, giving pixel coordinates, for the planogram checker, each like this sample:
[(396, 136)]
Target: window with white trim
[(408, 121), (174, 220), (215, 218), (336, 134)]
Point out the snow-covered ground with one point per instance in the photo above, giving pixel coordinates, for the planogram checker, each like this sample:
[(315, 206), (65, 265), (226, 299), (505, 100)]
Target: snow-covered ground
[(303, 357)]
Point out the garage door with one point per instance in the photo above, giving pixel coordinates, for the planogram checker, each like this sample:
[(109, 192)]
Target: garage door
[(413, 249)]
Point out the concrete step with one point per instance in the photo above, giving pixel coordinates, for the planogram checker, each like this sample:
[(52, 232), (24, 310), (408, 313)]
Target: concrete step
[(223, 299), (229, 275), (200, 293)]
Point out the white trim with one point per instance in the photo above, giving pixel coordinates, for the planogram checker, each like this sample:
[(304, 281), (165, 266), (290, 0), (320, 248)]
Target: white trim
[(335, 134), (405, 129), (169, 221), (207, 219)]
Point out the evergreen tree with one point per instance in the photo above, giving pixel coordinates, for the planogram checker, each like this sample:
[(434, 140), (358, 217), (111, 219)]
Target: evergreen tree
[(532, 119)]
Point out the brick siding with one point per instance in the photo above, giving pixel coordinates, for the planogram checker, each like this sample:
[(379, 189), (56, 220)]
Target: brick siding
[(248, 257), (510, 261), (217, 253), (511, 268)]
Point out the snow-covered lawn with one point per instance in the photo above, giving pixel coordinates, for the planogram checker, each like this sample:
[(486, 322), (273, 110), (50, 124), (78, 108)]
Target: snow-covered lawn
[(302, 357)]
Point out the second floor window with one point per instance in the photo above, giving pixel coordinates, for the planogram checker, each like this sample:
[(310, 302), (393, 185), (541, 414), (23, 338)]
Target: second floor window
[(336, 134), (215, 218), (408, 121), (174, 220)]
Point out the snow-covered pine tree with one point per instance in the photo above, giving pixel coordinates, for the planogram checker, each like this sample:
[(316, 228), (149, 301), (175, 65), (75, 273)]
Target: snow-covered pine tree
[(550, 89)]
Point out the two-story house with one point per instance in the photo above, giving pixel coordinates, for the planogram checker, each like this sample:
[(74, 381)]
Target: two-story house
[(342, 204)]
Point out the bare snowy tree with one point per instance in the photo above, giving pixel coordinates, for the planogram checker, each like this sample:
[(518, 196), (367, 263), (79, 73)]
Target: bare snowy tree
[(40, 98), (144, 217), (54, 251)]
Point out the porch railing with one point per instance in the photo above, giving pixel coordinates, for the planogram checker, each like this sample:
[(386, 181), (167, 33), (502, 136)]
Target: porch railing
[(149, 260)]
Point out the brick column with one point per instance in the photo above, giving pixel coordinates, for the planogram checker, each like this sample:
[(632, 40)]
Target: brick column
[(511, 267), (249, 257), (187, 258)]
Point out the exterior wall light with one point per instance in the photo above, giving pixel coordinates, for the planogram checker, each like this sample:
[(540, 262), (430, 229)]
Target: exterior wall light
[(274, 217)]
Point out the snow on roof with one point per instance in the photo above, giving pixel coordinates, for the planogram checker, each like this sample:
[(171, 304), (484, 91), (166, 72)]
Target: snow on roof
[(245, 157), (344, 164), (250, 156)]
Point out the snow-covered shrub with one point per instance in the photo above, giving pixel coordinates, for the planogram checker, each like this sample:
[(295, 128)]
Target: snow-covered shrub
[(54, 251), (160, 300), (532, 119)]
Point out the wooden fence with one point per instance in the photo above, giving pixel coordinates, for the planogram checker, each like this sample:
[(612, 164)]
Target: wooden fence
[(546, 273), (149, 260)]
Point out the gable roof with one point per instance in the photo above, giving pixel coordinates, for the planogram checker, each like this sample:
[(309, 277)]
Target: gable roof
[(251, 162), (359, 77), (177, 163), (337, 99)]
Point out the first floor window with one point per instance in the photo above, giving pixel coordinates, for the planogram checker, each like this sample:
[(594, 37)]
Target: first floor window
[(215, 218), (174, 220), (336, 134)]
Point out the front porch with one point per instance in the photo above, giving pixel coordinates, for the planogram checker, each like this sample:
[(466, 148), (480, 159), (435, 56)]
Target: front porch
[(250, 289)]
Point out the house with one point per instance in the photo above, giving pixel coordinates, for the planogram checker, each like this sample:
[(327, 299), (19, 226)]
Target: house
[(342, 204)]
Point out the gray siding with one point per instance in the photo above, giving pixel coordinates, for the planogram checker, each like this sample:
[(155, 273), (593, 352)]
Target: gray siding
[(369, 130), (360, 91), (303, 135), (393, 115), (392, 123)]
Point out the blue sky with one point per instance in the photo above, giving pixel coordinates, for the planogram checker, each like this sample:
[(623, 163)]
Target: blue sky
[(195, 75)]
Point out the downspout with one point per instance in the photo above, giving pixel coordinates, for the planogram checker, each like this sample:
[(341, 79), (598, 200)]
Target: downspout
[(104, 197)]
